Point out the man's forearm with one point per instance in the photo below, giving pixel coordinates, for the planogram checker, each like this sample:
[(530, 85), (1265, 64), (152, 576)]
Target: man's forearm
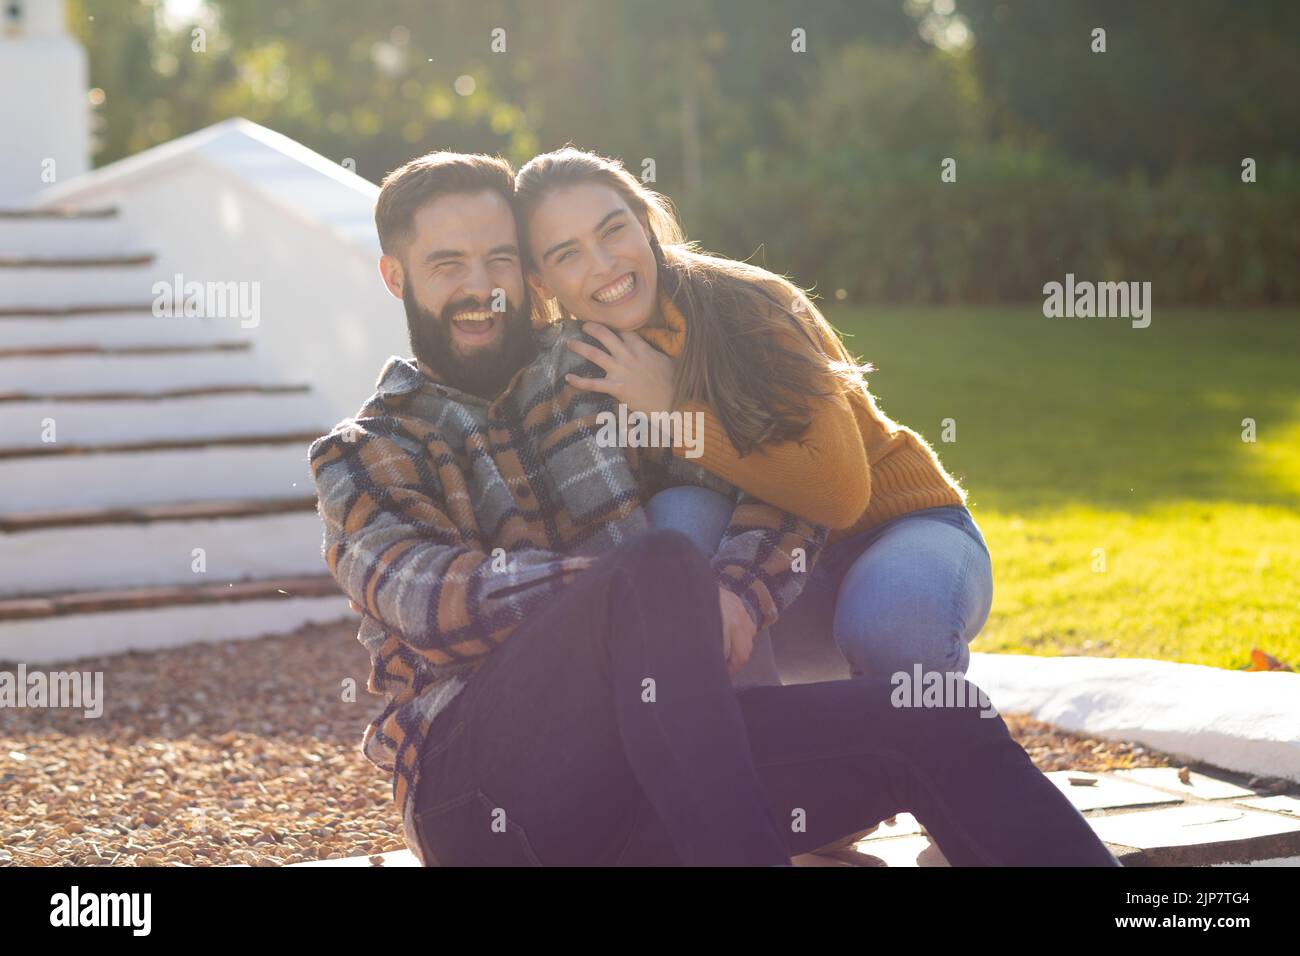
[(395, 551), (765, 556)]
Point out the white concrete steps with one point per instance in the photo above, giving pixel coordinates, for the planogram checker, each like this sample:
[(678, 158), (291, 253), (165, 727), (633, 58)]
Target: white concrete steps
[(91, 624), (39, 289), (60, 351), (64, 261), (145, 394), (124, 555), (172, 502), (73, 374), (127, 479), (66, 237), (117, 330), (64, 449), (30, 213), (153, 513), (99, 423)]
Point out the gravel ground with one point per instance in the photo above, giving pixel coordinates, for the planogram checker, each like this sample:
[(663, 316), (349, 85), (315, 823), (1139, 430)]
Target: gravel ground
[(247, 752)]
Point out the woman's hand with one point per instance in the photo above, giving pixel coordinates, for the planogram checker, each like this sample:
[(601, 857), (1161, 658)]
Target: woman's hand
[(636, 373)]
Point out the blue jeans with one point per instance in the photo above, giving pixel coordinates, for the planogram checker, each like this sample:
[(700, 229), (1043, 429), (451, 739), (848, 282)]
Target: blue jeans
[(606, 731), (913, 590)]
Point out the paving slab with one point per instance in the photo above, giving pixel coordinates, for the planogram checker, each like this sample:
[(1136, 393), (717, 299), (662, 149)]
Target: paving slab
[(904, 851), (904, 824), (1279, 861), (1278, 804), (815, 859), (400, 858), (393, 858), (1212, 825), (1197, 835), (1107, 792), (1199, 785)]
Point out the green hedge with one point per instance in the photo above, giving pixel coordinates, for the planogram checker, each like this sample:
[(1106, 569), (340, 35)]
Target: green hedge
[(858, 203), (1010, 223)]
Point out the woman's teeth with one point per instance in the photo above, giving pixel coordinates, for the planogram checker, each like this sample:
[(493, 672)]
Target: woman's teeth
[(616, 291)]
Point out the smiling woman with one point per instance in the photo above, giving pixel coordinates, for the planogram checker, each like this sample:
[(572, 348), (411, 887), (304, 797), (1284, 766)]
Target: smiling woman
[(607, 250), (906, 578), (743, 346)]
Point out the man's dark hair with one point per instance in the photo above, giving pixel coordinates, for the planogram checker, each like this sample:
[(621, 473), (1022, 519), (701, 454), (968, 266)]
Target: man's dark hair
[(408, 188)]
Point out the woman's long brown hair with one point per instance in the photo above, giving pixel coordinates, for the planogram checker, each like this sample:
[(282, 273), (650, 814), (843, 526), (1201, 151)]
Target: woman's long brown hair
[(756, 347)]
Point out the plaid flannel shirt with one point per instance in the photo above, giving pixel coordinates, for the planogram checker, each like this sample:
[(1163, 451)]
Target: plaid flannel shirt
[(449, 517)]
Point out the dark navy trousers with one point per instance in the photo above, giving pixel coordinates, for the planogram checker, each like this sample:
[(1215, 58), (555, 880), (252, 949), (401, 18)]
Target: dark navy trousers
[(606, 731)]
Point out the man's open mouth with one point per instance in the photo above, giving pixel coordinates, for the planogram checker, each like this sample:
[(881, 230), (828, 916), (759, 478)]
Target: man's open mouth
[(474, 325), (620, 290)]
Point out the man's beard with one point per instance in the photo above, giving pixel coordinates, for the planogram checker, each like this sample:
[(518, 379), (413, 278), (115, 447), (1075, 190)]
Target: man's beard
[(486, 371)]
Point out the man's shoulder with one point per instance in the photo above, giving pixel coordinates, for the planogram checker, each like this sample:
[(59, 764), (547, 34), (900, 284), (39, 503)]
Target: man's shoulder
[(382, 413), (399, 376)]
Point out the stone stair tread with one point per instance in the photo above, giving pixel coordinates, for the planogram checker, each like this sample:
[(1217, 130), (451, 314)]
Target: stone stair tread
[(144, 514), (161, 395), (118, 331), (38, 351), (79, 374), (76, 262), (61, 212), (105, 313), (121, 599), (168, 444), (76, 308)]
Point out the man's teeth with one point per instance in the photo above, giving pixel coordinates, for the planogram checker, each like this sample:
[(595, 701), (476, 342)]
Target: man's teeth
[(616, 291), (481, 316)]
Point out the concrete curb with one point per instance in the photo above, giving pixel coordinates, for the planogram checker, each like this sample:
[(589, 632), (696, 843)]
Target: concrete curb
[(1248, 722)]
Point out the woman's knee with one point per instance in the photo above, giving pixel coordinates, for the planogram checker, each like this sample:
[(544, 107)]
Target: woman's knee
[(700, 513), (890, 646), (895, 611)]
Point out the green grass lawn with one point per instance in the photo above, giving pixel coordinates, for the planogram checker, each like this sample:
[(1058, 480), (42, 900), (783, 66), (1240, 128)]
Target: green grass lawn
[(1074, 435)]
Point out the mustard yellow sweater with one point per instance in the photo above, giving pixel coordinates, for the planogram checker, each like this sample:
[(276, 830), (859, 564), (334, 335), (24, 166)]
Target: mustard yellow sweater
[(853, 468)]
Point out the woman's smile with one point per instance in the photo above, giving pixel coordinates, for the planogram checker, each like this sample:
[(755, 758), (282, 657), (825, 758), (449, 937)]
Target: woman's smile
[(593, 255), (618, 291)]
